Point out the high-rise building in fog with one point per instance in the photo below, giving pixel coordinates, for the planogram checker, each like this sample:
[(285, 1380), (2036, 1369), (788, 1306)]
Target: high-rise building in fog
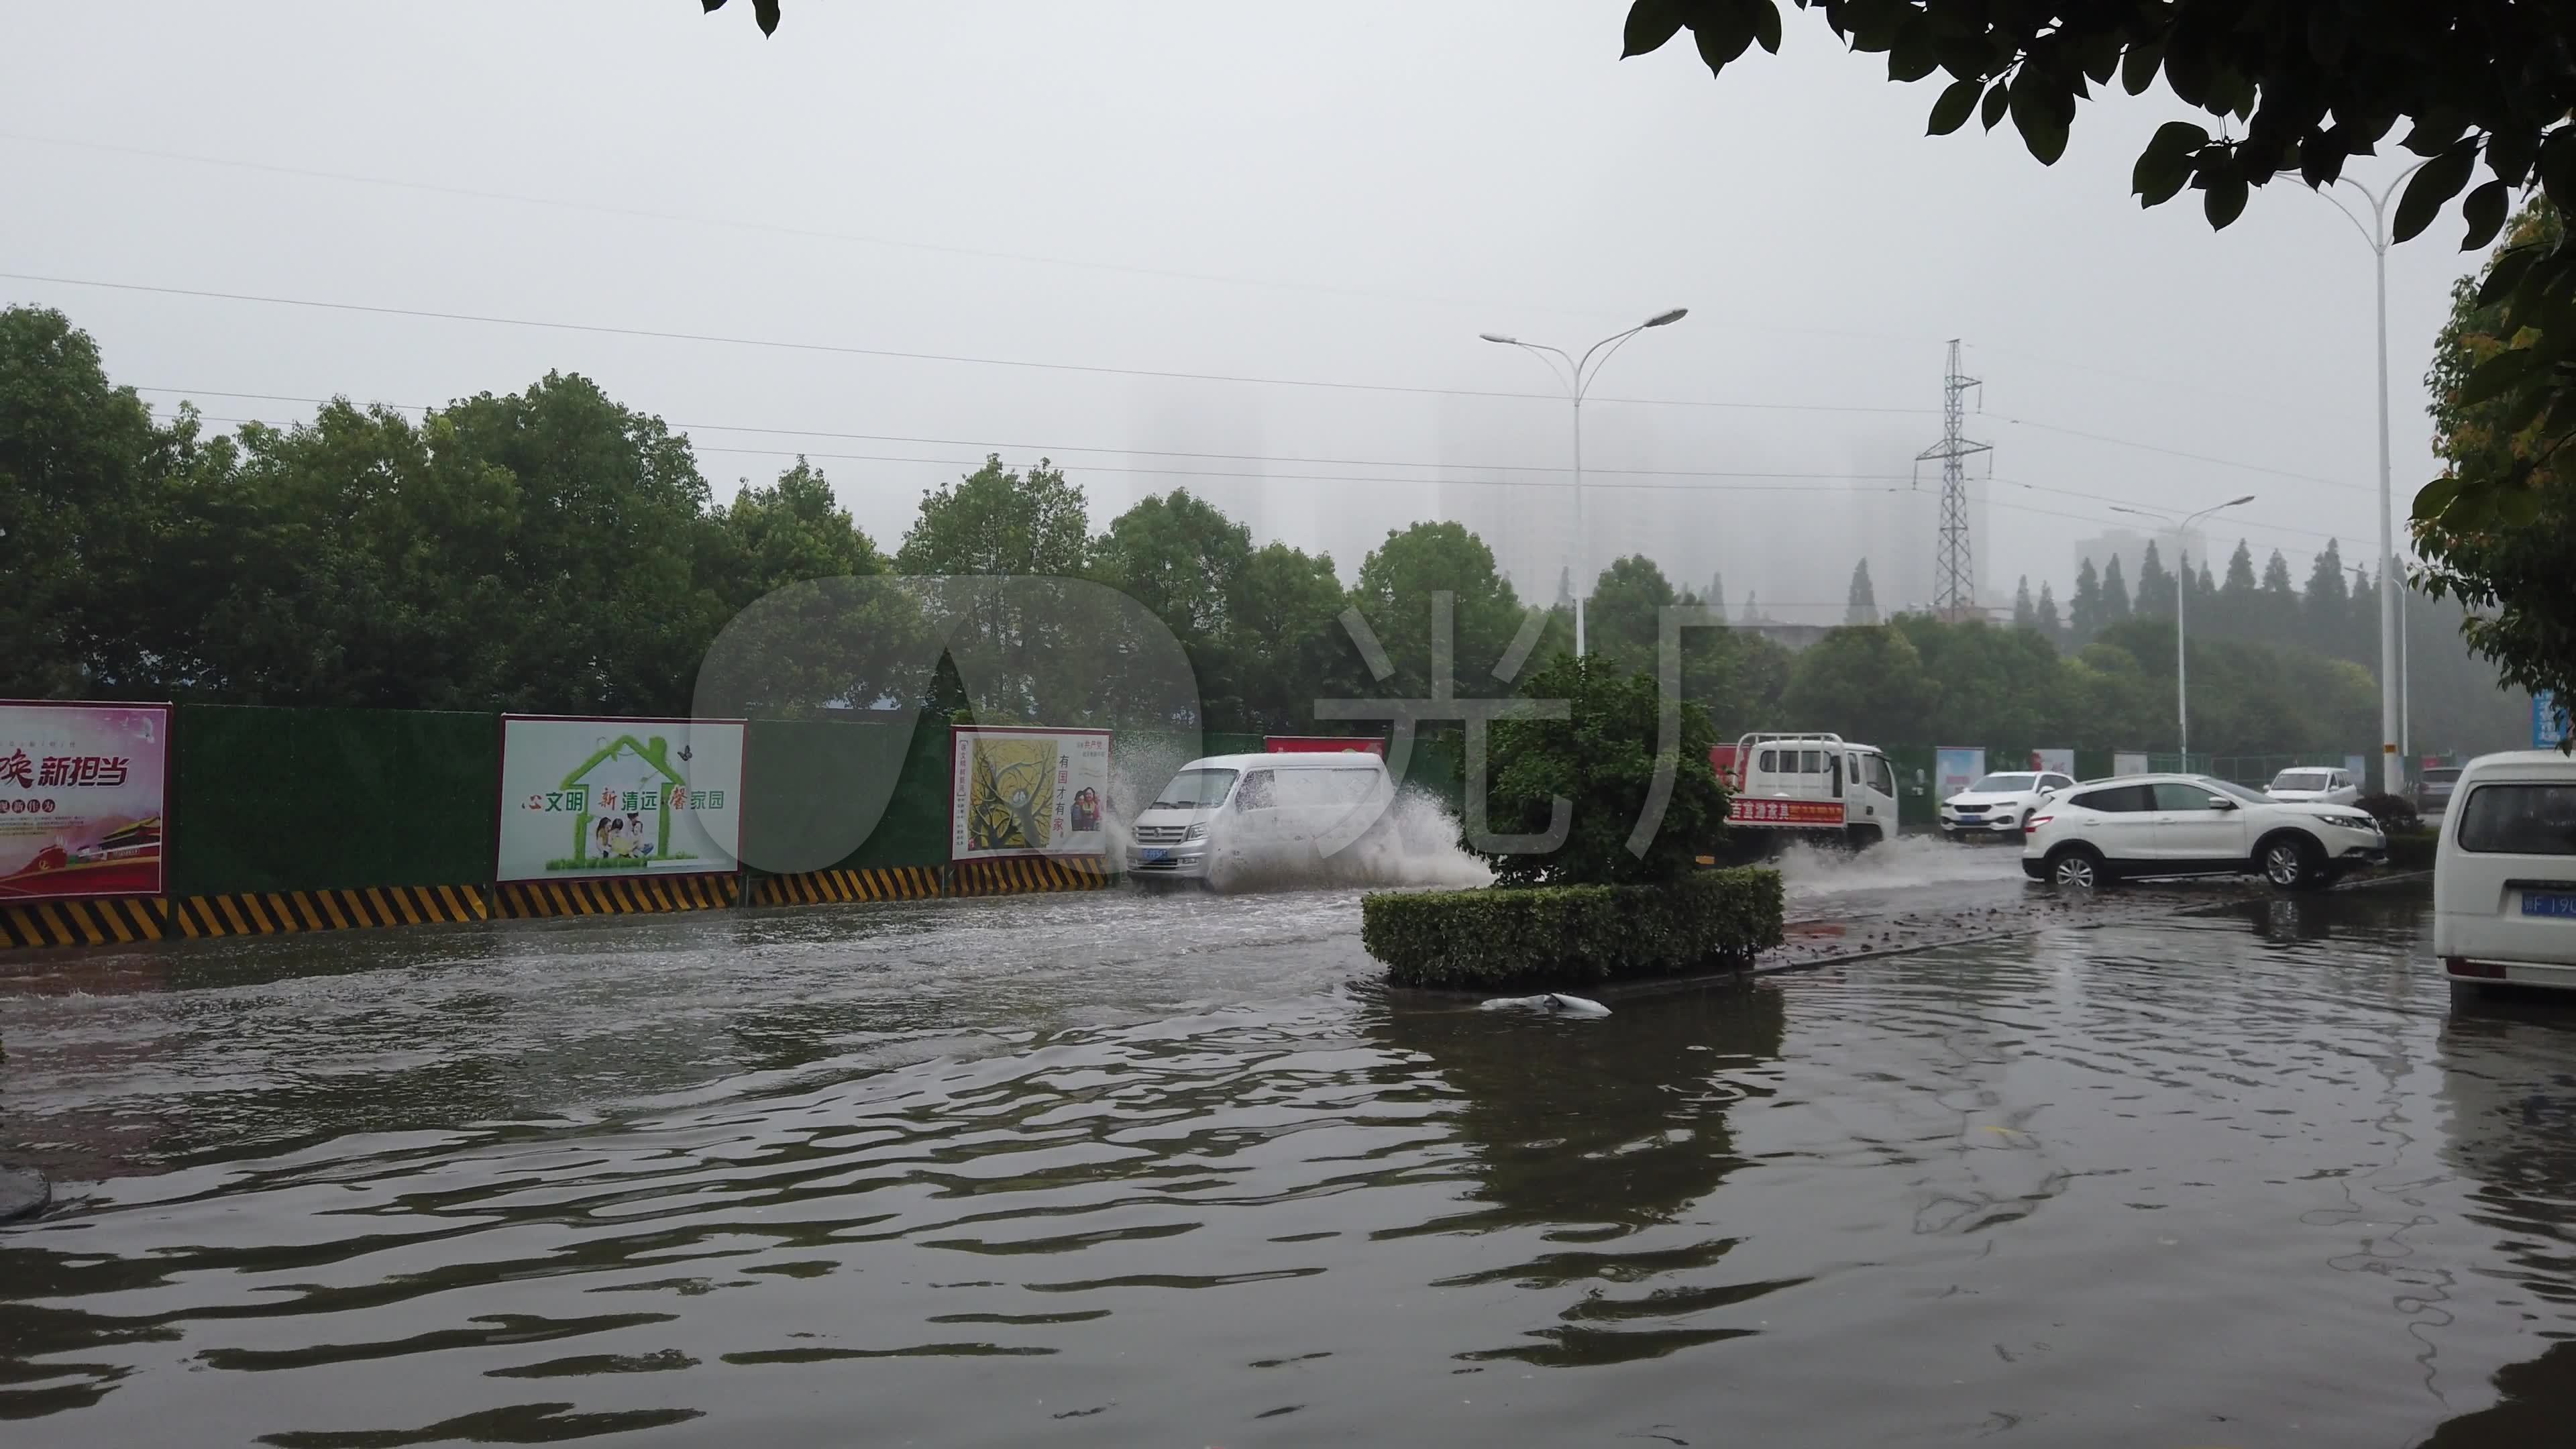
[(1503, 476)]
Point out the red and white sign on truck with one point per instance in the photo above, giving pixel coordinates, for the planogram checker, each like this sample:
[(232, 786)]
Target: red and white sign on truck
[(1808, 786)]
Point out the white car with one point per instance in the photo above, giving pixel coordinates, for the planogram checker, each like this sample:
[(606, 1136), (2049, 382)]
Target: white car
[(1998, 804), (2165, 825), (2504, 875), (2311, 785), (1227, 819)]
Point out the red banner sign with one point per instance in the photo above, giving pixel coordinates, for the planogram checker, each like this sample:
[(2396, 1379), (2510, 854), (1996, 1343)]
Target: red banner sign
[(1322, 745), (1785, 812), (81, 799)]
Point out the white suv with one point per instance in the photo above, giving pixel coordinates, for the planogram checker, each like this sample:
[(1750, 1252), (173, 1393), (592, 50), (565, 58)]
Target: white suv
[(1998, 804), (2155, 825), (2310, 785)]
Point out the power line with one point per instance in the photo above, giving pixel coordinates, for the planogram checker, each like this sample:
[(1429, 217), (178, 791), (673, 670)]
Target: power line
[(1374, 294), (898, 354), (2178, 453)]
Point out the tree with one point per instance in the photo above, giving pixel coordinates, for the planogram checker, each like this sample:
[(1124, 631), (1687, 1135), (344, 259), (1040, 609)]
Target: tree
[(1716, 597), (1863, 683), (2084, 611), (786, 532), (2276, 604), (2156, 587), (2025, 614), (2115, 595), (2498, 530), (2326, 605), (1283, 643), (1394, 594), (79, 460), (1003, 548), (1861, 602), (1177, 555), (1602, 759), (2046, 615)]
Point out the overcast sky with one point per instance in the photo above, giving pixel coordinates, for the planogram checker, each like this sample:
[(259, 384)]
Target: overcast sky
[(1329, 193)]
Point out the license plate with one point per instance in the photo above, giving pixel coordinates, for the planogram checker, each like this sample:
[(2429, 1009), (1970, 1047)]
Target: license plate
[(2549, 903), (1150, 856)]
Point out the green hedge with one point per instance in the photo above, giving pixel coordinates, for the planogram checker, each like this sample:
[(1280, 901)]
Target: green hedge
[(1572, 935)]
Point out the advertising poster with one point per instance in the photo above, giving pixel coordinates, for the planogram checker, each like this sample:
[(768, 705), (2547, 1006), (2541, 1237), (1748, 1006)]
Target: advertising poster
[(618, 797), (1957, 769), (2548, 721), (2127, 762), (1027, 792), (2059, 761), (82, 791), (1322, 744)]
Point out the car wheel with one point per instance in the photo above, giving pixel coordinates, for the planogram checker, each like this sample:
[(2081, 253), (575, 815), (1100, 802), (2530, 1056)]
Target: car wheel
[(2293, 863), (2078, 867)]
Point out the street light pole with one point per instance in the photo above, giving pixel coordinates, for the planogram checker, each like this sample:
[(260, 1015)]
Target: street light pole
[(2392, 769), (2182, 605), (1578, 378)]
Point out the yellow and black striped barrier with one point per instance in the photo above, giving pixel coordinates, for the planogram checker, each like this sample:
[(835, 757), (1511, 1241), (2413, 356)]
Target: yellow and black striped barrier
[(268, 913), (824, 887), (614, 895), (1041, 873), (80, 923)]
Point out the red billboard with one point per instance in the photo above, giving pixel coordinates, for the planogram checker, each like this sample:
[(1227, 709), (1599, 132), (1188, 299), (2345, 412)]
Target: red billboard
[(83, 788), (1323, 745)]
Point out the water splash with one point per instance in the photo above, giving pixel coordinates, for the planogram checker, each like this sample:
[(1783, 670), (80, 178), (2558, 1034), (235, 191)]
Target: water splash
[(1899, 864)]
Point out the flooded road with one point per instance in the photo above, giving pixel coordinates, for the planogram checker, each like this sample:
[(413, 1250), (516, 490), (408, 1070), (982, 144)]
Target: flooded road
[(1117, 1170)]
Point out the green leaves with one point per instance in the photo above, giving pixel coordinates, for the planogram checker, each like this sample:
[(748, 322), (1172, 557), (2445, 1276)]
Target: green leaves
[(1650, 24), (2484, 211), (2167, 162), (2440, 179), (763, 11), (1957, 103), (2042, 112), (2223, 197)]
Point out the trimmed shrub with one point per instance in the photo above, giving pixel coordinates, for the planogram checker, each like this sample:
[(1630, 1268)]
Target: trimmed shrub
[(1573, 935), (2393, 812)]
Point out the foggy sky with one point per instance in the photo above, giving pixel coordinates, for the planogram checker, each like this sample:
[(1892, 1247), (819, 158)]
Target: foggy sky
[(1333, 192)]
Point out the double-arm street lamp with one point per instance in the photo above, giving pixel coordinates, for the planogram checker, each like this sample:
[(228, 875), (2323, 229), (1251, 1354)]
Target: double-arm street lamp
[(1578, 377), (2182, 600)]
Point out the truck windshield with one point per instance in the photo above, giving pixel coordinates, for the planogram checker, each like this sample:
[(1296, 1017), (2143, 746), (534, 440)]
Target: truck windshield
[(1195, 790)]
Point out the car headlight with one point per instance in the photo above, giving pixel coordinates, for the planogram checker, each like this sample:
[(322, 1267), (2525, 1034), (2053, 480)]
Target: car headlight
[(1196, 832), (2353, 822)]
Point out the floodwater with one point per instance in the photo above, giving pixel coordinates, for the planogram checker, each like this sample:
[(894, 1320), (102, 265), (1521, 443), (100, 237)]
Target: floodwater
[(1116, 1169)]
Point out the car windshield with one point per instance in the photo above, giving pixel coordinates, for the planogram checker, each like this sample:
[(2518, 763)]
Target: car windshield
[(2254, 797), (2002, 784), (2300, 780), (1195, 790)]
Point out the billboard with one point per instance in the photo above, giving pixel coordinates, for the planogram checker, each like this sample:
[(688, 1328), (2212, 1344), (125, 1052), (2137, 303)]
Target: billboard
[(1015, 792), (587, 797), (83, 791), (2057, 761), (1322, 744), (2128, 762), (1956, 769), (2548, 721)]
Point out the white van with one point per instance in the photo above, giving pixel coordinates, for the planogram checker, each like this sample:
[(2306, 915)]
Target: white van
[(2504, 876), (1229, 819)]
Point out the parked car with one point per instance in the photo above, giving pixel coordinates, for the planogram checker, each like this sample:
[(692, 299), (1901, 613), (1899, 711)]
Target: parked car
[(1998, 804), (2171, 825), (2309, 785), (1227, 817), (2504, 874), (2433, 788)]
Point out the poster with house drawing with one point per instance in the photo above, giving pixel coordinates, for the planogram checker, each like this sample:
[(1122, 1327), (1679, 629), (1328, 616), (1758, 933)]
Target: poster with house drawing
[(613, 797)]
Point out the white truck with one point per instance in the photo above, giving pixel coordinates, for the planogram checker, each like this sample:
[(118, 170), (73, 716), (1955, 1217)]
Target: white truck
[(1814, 787)]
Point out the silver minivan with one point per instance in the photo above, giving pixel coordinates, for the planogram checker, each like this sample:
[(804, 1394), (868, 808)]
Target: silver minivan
[(1230, 820), (2504, 875)]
